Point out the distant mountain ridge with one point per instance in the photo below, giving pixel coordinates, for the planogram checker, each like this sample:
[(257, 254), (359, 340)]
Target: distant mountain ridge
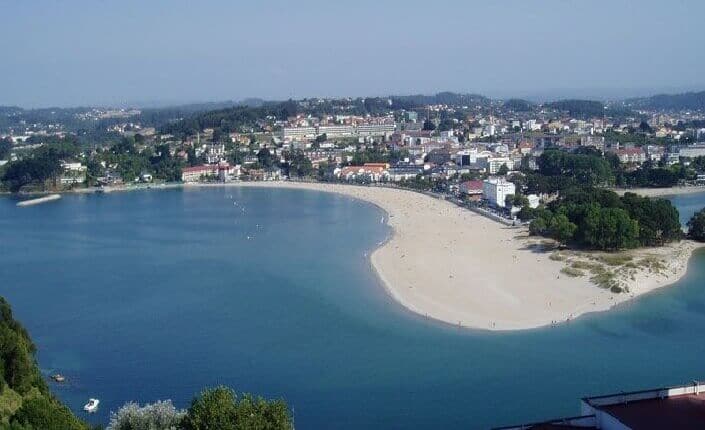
[(690, 100)]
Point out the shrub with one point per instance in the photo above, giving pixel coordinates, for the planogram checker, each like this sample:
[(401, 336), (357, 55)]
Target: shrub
[(161, 415), (573, 273)]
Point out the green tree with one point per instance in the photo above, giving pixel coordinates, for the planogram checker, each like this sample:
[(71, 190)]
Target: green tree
[(561, 229), (44, 413), (265, 158), (214, 409), (503, 170), (696, 226), (538, 226), (221, 409), (5, 148), (610, 229), (321, 138)]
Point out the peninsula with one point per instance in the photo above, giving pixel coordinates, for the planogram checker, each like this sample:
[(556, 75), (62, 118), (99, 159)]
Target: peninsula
[(450, 264)]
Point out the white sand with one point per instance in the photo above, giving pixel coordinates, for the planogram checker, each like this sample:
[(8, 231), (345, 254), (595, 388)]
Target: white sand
[(450, 264)]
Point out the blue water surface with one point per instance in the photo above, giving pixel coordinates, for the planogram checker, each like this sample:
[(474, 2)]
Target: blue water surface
[(155, 295)]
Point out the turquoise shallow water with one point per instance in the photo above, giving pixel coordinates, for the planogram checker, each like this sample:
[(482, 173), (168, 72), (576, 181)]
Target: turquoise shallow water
[(153, 295)]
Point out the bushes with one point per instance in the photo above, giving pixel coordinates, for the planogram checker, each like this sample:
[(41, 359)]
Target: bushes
[(161, 415), (214, 409)]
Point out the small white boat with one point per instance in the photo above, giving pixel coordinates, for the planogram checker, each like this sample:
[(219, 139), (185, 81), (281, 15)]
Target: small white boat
[(58, 377), (91, 406)]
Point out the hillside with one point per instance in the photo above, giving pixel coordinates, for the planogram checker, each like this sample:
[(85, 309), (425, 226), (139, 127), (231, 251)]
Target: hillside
[(578, 108), (690, 101)]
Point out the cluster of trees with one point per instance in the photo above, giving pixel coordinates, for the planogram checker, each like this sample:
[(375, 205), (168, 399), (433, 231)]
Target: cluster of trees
[(377, 154), (518, 105), (579, 108), (40, 166), (219, 408), (559, 170), (231, 119), (297, 164), (595, 218), (648, 176), (131, 162)]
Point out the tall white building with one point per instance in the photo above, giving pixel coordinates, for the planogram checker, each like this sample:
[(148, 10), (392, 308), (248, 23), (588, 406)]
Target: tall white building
[(496, 190)]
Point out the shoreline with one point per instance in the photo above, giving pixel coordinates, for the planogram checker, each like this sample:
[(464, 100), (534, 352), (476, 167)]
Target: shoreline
[(449, 264), (660, 192)]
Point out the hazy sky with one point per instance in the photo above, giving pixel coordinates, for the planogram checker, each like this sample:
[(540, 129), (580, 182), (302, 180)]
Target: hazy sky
[(70, 53)]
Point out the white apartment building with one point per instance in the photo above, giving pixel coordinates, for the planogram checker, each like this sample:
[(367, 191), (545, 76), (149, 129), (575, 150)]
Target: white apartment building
[(375, 129), (215, 153), (493, 164), (336, 130), (691, 151), (496, 190), (289, 133)]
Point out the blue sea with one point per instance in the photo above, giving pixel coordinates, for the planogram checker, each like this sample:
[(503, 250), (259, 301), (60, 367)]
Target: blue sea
[(154, 295)]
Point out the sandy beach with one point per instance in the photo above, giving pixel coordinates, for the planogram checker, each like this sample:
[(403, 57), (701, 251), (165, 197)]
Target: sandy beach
[(660, 192), (450, 264)]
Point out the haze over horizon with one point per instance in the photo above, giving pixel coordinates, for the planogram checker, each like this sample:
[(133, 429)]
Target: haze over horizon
[(140, 53)]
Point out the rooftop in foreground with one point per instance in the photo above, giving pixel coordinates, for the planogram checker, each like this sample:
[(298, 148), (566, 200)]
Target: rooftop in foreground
[(681, 407)]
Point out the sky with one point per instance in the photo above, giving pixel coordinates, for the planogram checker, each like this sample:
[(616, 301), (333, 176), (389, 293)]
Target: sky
[(99, 52)]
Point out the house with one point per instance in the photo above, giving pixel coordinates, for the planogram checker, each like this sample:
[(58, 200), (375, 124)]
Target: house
[(439, 156), (110, 177), (221, 172), (471, 189), (373, 172), (268, 174), (496, 190), (73, 173), (198, 173), (215, 153), (403, 173), (631, 155), (493, 164), (533, 201)]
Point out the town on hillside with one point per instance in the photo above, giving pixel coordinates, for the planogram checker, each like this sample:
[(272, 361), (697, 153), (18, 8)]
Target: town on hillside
[(485, 152)]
